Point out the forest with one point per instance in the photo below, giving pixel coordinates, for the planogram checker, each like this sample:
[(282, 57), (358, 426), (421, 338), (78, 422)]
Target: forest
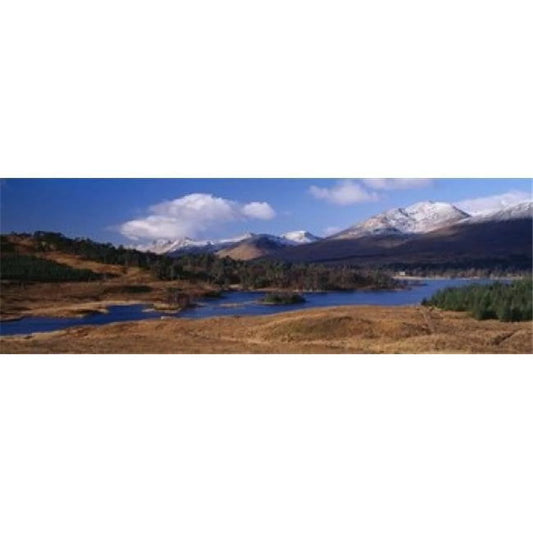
[(209, 268), (507, 302), (467, 268), (31, 268)]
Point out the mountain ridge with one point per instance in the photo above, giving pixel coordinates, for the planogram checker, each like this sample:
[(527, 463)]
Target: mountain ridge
[(417, 218), (502, 237), (188, 245)]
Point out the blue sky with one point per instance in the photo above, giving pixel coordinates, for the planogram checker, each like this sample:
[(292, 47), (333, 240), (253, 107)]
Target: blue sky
[(140, 210)]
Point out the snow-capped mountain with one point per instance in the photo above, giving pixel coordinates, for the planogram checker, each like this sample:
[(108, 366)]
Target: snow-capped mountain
[(300, 237), (187, 245), (514, 212), (421, 217), (425, 234)]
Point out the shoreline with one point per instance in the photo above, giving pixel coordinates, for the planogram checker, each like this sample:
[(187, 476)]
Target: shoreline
[(81, 310), (69, 311)]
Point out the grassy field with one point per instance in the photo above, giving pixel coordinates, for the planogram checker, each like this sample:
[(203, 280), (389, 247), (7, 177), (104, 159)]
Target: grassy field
[(333, 330)]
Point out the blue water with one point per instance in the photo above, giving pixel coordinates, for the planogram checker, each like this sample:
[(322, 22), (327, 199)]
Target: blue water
[(237, 303)]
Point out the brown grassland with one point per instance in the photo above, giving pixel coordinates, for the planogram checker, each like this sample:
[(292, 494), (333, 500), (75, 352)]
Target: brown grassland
[(334, 330)]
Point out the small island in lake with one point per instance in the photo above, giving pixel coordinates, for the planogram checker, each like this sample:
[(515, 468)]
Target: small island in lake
[(283, 298)]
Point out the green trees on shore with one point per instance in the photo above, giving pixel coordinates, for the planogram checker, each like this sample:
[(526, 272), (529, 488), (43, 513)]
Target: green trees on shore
[(506, 302), (261, 274)]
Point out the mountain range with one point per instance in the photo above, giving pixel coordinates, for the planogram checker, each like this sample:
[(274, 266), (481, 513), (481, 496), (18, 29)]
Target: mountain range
[(423, 232), (262, 242), (430, 233)]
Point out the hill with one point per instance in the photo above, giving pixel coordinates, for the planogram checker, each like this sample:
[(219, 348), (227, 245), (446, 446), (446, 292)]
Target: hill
[(254, 247)]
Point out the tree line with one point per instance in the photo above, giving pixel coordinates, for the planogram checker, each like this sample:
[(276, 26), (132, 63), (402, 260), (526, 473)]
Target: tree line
[(507, 302), (468, 268)]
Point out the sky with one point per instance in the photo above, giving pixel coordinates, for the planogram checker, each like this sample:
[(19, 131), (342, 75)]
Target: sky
[(138, 211)]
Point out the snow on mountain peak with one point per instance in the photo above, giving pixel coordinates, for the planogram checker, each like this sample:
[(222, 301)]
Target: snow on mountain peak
[(433, 215), (300, 237), (187, 245), (516, 211), (417, 218)]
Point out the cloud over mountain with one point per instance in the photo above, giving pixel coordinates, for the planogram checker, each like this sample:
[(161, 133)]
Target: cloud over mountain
[(344, 192), (348, 191), (190, 215), (391, 184)]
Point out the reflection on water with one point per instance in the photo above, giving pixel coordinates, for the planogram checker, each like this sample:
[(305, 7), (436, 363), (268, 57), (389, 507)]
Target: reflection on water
[(237, 304)]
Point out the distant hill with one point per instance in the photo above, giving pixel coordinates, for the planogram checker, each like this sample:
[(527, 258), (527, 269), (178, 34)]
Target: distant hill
[(246, 246), (254, 247)]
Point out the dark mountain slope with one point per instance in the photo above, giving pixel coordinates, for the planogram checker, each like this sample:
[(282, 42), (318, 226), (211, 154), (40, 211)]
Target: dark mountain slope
[(507, 242)]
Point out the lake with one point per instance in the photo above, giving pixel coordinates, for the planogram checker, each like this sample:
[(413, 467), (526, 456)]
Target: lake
[(239, 303)]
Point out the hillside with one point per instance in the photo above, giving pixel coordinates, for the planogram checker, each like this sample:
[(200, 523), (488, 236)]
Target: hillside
[(254, 247), (47, 274)]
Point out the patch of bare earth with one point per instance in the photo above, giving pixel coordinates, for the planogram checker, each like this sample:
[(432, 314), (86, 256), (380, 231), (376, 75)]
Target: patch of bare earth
[(333, 330)]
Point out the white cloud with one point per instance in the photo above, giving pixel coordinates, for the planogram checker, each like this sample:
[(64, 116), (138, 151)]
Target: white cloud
[(344, 192), (486, 204), (260, 210), (191, 215), (389, 184)]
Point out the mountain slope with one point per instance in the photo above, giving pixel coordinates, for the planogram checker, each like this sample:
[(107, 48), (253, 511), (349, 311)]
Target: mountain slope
[(255, 247), (418, 218), (522, 210), (503, 238)]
